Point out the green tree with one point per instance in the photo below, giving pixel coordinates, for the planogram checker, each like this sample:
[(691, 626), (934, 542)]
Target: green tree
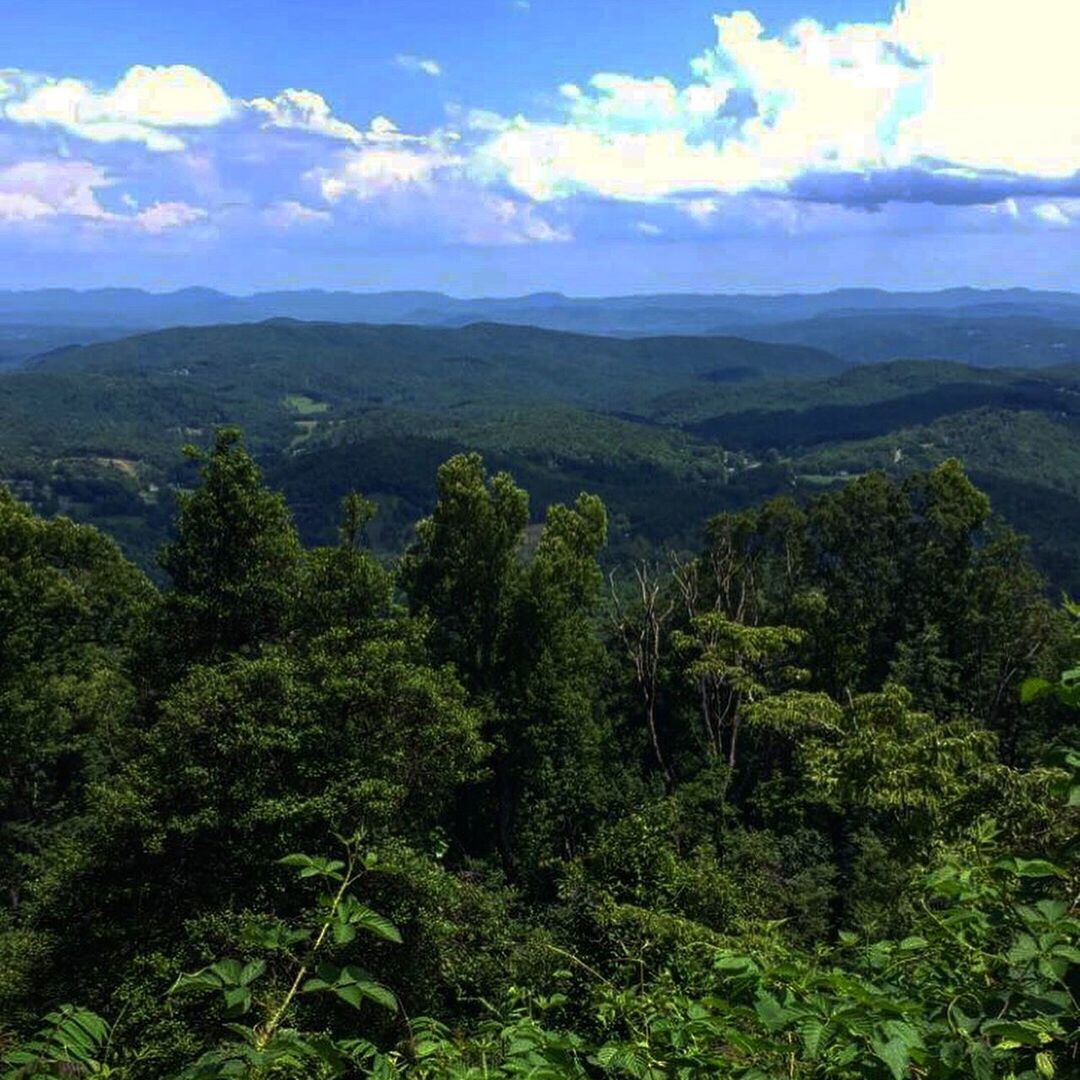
[(558, 729), (234, 563), (463, 569), (71, 611)]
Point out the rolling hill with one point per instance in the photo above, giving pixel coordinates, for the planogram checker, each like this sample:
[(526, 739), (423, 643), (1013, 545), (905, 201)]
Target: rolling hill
[(669, 430)]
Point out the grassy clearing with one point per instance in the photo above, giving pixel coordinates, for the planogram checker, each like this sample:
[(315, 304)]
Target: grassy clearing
[(304, 405)]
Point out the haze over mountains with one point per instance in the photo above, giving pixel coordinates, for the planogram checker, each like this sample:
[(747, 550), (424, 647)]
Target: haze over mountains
[(667, 427), (1006, 327)]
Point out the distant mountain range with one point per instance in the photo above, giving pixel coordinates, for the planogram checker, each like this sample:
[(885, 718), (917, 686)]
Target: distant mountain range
[(985, 327), (200, 306)]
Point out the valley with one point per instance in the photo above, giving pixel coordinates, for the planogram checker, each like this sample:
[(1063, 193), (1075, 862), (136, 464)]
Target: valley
[(667, 429)]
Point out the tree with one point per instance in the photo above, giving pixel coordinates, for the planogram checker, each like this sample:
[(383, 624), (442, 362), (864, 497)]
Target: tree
[(463, 569), (557, 728), (344, 589), (233, 565), (735, 667), (71, 611), (641, 630)]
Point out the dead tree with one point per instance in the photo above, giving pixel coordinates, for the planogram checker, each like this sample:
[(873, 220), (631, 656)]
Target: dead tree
[(642, 635)]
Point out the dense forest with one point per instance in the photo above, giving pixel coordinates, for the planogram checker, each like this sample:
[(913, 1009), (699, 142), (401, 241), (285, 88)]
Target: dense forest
[(800, 803), (667, 430)]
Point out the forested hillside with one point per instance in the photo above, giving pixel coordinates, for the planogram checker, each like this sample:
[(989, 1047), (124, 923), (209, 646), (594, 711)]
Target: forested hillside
[(667, 430), (801, 803)]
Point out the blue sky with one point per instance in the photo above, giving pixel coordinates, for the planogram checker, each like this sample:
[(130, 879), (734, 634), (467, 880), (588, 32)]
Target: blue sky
[(495, 146)]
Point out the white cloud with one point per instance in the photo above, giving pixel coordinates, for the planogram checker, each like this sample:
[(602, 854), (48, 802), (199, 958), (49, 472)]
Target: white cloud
[(1001, 84), (387, 160), (142, 107), (945, 101), (165, 216), (964, 85), (49, 188), (1010, 208), (364, 174), (303, 110), (288, 214), (501, 221), (18, 206), (420, 64), (1052, 214), (699, 210), (36, 190)]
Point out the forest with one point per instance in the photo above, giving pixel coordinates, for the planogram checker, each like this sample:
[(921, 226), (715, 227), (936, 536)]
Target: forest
[(798, 801), (667, 430)]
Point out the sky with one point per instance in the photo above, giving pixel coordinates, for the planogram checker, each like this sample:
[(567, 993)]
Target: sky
[(508, 146)]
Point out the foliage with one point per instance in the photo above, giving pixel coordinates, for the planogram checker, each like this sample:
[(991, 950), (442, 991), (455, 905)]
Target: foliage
[(272, 1046), (666, 430), (803, 805)]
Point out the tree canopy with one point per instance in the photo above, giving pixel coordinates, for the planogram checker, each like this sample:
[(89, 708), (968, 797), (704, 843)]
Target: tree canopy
[(800, 804)]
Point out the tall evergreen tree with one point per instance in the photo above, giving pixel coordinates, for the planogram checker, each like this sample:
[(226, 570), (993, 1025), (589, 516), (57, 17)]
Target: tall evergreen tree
[(234, 563)]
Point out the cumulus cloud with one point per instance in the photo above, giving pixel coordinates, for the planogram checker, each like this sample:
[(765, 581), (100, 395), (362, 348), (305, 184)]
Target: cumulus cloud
[(1052, 214), (18, 206), (388, 160), (37, 189), (289, 214), (699, 210), (1000, 84), (963, 106), (155, 106), (974, 96), (365, 174), (303, 110), (144, 106), (54, 191), (501, 221), (421, 65), (165, 216)]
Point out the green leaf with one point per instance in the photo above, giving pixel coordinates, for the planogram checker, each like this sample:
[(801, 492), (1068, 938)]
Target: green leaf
[(1033, 689), (771, 1013), (374, 923), (251, 971), (982, 1062), (314, 867), (343, 932), (733, 963), (198, 982), (295, 860), (1052, 910), (813, 1034), (1044, 1063), (237, 1000), (907, 1033), (1030, 867), (895, 1053), (356, 992), (1009, 1031), (228, 971), (1024, 949), (911, 944), (965, 1023)]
